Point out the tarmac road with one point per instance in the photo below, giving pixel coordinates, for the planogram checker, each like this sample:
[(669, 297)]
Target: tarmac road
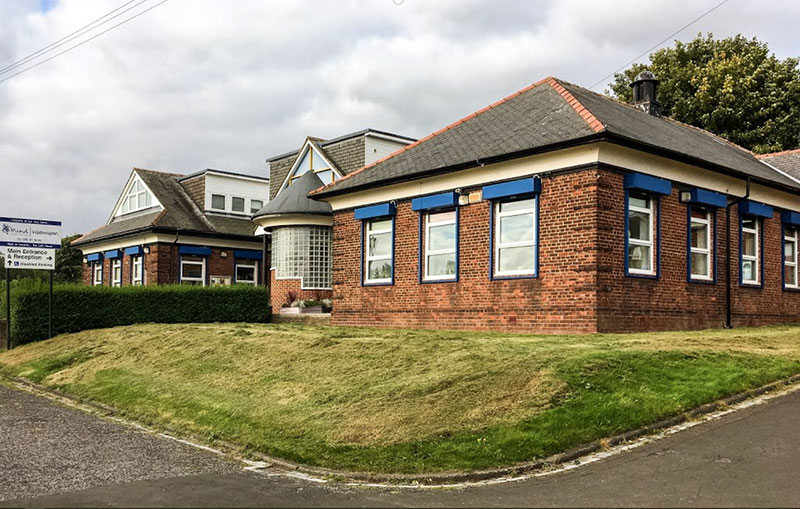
[(54, 456)]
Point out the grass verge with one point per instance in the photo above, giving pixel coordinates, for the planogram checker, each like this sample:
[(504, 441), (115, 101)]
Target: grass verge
[(402, 401)]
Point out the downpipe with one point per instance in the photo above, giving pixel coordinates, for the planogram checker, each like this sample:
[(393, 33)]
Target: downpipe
[(736, 201)]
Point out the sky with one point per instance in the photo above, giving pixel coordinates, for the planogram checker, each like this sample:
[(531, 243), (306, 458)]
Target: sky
[(195, 84)]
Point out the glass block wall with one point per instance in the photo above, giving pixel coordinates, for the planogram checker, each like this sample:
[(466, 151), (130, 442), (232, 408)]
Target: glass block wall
[(303, 252)]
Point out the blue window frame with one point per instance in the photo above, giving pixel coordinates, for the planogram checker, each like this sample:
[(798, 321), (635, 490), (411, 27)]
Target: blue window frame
[(790, 223), (701, 244), (751, 251), (643, 224), (377, 244)]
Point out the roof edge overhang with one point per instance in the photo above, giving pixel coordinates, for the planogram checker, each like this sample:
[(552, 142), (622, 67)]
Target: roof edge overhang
[(161, 229), (594, 138), (276, 220)]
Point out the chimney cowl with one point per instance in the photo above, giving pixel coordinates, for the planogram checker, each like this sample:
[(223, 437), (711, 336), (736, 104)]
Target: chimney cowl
[(645, 97)]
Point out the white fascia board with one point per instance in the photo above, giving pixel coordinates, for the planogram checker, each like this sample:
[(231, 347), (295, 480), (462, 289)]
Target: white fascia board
[(154, 238), (264, 181), (389, 138)]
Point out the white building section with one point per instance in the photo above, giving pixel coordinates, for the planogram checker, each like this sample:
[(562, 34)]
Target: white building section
[(235, 194)]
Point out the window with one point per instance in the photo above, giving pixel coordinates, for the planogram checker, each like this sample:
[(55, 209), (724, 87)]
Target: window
[(304, 253), (137, 198), (378, 247), (137, 271), (641, 227), (255, 206), (193, 270), (218, 201), (515, 238), (700, 244), (790, 240), (440, 246), (97, 273), (750, 269), (116, 272), (237, 204), (314, 162), (246, 271)]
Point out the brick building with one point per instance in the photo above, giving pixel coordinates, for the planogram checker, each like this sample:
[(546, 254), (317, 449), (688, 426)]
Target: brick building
[(559, 210), (300, 228), (167, 228)]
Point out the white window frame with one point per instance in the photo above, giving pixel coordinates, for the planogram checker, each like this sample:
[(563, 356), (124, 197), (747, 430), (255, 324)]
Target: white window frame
[(787, 239), (428, 252), (757, 258), (367, 258), (116, 272), (707, 251), (253, 264), (651, 211), (498, 245), (97, 270), (141, 197), (244, 205), (253, 209), (202, 263), (137, 261)]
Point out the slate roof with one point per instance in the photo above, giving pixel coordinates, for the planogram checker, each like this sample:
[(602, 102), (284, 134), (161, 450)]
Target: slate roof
[(294, 199), (323, 142), (549, 115), (787, 161), (179, 213)]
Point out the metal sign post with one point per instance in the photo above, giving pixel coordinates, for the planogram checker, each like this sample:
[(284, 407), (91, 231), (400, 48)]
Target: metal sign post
[(29, 244)]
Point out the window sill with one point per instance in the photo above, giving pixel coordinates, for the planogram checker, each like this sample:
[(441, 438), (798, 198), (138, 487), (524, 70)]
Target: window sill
[(434, 281), (702, 281), (378, 283), (755, 286), (791, 288), (643, 275), (501, 277)]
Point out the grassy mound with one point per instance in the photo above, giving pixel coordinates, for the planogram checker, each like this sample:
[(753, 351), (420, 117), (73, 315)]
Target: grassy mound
[(401, 400)]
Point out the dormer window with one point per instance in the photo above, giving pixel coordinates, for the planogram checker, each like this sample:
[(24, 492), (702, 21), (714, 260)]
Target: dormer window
[(312, 161), (137, 198)]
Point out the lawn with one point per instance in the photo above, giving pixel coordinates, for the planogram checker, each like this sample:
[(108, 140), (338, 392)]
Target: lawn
[(384, 400)]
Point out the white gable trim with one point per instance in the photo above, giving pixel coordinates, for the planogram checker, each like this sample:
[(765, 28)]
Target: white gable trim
[(116, 211), (300, 155)]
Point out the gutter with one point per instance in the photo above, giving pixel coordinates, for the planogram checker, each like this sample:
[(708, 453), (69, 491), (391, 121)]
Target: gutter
[(728, 322)]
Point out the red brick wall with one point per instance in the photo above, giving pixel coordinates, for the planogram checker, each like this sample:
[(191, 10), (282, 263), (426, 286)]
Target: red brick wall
[(581, 286), (561, 299), (671, 302), (162, 265), (279, 288)]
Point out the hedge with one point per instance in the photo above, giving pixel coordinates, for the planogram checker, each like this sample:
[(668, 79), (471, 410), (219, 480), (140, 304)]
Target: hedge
[(78, 307)]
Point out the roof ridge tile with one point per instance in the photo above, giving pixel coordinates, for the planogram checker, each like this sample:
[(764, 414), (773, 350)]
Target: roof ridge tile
[(776, 154)]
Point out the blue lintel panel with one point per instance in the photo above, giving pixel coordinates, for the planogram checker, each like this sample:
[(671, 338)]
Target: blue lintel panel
[(372, 211), (247, 254), (648, 183), (114, 253), (708, 198), (195, 250), (754, 208), (435, 201), (133, 251), (513, 188), (94, 257), (791, 217)]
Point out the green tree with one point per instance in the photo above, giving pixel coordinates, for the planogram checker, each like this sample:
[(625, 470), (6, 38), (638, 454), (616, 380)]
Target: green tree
[(69, 262), (732, 87)]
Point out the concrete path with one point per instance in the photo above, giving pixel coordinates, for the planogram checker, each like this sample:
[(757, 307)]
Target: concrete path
[(748, 458)]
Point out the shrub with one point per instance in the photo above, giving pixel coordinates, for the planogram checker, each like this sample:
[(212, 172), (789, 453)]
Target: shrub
[(78, 307)]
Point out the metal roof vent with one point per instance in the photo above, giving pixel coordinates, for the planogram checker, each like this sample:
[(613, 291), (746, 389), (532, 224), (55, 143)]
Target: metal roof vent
[(644, 93)]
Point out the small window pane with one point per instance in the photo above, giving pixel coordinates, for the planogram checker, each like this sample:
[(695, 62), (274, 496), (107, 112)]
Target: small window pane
[(442, 217), (379, 269), (789, 252), (790, 275), (700, 235), (700, 264), (639, 257), (380, 244), (148, 200), (245, 274), (326, 176), (442, 237), (255, 206), (383, 224), (642, 202), (749, 223), (516, 259), (442, 265), (639, 226), (516, 228), (218, 201), (517, 205), (748, 270), (237, 204), (749, 244)]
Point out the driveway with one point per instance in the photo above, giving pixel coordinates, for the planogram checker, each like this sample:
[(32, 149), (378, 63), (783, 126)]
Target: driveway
[(56, 456)]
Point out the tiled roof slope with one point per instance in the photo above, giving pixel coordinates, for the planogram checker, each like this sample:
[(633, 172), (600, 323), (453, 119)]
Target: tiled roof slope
[(787, 161), (294, 199), (179, 212), (547, 115)]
